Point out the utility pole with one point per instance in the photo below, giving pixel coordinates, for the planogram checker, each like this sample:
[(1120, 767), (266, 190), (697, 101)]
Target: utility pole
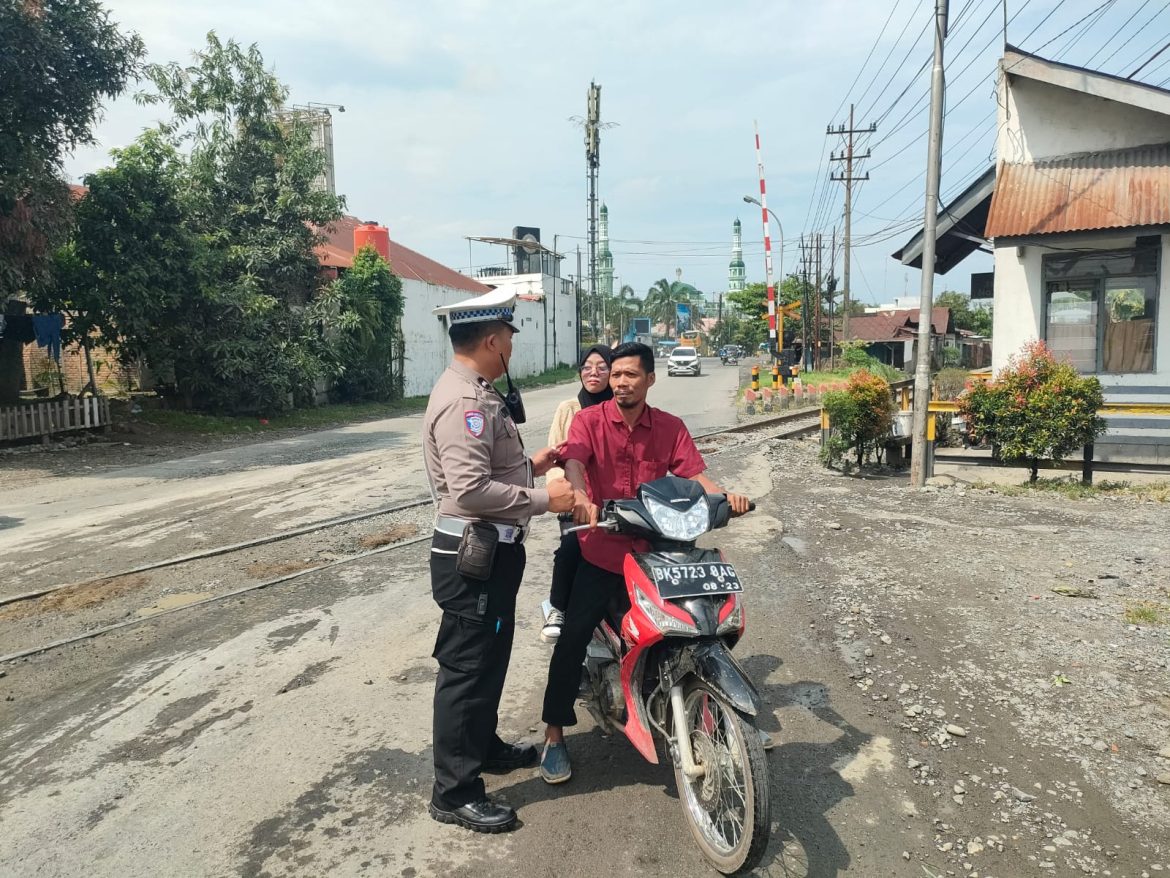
[(805, 265), (848, 156), (719, 322), (833, 295), (580, 327), (592, 164), (817, 310), (929, 230)]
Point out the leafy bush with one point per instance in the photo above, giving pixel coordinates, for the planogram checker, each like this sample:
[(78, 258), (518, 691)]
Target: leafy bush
[(860, 417), (1036, 409), (950, 383), (853, 354), (369, 301)]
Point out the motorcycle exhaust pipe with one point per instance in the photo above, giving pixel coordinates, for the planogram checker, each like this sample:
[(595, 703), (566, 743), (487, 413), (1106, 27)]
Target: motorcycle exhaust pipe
[(682, 736)]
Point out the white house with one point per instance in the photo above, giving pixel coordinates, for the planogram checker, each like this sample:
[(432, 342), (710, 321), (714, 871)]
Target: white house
[(426, 284), (1076, 212)]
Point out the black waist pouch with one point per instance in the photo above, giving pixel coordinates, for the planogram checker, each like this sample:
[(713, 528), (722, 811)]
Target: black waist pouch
[(477, 550)]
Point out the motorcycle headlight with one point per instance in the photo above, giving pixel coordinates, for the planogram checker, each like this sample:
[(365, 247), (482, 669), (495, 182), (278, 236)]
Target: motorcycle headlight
[(676, 524), (666, 623), (733, 622)]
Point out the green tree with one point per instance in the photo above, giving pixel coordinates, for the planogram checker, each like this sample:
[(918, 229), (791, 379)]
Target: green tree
[(256, 341), (662, 301), (1036, 409), (128, 278), (369, 302), (58, 60)]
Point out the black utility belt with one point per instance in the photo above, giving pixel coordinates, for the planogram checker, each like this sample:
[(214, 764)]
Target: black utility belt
[(478, 541), (455, 527)]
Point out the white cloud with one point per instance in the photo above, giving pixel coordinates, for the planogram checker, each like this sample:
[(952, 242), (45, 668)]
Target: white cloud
[(456, 117)]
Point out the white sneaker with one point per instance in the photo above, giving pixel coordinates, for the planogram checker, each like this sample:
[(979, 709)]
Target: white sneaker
[(552, 626)]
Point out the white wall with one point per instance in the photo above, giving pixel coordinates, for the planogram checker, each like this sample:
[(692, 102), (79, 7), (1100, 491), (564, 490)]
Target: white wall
[(1043, 120), (1019, 307), (428, 350)]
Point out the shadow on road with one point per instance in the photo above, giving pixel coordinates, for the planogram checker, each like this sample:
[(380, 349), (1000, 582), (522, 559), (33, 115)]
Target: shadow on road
[(805, 783), (7, 522)]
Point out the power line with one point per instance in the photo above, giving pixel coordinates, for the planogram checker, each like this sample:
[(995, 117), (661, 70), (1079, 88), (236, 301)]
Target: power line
[(1151, 58), (1139, 30), (1103, 46)]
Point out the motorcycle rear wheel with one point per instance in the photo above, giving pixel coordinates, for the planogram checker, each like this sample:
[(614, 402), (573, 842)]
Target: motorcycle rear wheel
[(728, 809)]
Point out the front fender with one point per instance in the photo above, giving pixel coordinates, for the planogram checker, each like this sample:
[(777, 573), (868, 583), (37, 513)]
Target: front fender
[(714, 665)]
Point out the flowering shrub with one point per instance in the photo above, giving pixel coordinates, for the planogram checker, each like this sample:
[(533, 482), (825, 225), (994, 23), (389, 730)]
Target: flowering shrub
[(860, 416), (1036, 409)]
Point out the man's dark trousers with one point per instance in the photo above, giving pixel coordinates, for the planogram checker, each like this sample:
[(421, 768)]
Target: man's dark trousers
[(473, 649), (593, 590)]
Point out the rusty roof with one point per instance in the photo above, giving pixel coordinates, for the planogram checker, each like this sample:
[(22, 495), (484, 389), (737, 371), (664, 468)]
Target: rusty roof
[(896, 325), (1112, 189), (337, 252)]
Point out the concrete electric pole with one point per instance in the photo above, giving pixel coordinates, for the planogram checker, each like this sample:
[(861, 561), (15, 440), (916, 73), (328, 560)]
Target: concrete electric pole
[(929, 230), (848, 156)]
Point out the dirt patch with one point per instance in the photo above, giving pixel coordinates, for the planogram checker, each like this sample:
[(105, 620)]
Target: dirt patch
[(262, 570), (74, 597), (385, 538)]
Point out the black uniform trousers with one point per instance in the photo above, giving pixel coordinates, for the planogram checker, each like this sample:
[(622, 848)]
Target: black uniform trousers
[(473, 648), (566, 559), (594, 589)]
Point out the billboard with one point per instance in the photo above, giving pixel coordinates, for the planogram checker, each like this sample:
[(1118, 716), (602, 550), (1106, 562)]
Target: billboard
[(682, 318), (641, 325)]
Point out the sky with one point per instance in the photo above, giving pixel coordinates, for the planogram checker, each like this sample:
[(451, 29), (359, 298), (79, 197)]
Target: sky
[(458, 123)]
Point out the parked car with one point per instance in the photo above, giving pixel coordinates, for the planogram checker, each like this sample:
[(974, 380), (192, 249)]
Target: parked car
[(684, 361)]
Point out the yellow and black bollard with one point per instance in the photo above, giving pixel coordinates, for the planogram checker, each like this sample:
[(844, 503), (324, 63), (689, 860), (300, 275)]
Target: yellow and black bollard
[(928, 458), (826, 427), (756, 378)]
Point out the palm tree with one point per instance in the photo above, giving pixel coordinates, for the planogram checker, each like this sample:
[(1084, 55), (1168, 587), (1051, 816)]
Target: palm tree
[(626, 307)]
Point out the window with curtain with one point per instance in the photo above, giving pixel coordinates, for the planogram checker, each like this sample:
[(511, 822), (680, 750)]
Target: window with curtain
[(1100, 308)]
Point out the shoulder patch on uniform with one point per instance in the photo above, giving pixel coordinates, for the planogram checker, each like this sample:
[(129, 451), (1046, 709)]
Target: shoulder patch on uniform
[(475, 422)]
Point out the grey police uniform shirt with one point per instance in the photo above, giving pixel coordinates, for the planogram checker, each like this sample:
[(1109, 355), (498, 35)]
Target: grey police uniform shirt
[(474, 458)]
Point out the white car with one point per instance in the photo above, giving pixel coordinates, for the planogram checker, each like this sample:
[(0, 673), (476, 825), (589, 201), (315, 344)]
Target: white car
[(684, 361)]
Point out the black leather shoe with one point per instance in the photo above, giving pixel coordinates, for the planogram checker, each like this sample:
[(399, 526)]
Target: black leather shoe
[(482, 816), (513, 756)]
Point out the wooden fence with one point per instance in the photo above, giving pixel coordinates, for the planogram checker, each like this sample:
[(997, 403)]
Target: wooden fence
[(44, 419)]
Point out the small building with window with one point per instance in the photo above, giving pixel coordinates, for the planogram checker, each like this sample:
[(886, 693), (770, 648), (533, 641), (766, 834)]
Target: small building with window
[(1077, 214)]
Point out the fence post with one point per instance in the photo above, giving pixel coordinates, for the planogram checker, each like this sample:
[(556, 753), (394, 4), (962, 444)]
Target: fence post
[(1087, 466)]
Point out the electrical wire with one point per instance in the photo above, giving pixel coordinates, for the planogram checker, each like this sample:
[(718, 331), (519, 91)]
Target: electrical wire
[(1105, 44), (1140, 29)]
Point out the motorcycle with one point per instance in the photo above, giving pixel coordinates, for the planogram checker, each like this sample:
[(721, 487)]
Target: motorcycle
[(663, 671)]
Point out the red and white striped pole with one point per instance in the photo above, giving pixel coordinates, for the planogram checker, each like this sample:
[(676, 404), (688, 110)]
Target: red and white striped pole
[(773, 348)]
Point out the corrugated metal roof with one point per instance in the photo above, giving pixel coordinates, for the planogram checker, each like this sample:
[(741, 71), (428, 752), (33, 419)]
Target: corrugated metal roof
[(1100, 190), (337, 252), (896, 325)]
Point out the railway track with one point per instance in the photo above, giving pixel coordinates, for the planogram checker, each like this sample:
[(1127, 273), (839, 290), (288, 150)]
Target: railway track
[(216, 571)]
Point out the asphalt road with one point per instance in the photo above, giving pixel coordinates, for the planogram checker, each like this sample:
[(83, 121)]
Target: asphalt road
[(78, 527), (286, 732)]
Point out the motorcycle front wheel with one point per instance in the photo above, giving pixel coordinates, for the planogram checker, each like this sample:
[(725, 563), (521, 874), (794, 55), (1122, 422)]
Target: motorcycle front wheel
[(728, 808)]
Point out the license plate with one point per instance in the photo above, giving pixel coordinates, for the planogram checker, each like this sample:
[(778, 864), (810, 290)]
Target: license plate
[(693, 580)]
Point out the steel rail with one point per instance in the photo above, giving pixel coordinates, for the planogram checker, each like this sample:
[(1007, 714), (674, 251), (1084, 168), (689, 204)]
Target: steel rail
[(128, 623), (219, 550)]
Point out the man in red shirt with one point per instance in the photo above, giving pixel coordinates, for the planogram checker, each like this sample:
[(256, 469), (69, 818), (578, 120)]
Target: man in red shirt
[(612, 449)]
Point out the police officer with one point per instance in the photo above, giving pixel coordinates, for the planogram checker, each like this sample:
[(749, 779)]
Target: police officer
[(482, 481)]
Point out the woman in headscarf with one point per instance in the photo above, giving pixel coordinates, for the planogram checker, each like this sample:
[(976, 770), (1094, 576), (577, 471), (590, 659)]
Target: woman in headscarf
[(594, 373)]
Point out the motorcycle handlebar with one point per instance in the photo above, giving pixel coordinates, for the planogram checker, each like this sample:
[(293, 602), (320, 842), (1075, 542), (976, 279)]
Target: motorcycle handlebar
[(567, 517)]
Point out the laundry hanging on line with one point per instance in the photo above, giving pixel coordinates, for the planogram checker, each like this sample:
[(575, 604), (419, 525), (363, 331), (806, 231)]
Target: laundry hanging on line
[(47, 328)]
